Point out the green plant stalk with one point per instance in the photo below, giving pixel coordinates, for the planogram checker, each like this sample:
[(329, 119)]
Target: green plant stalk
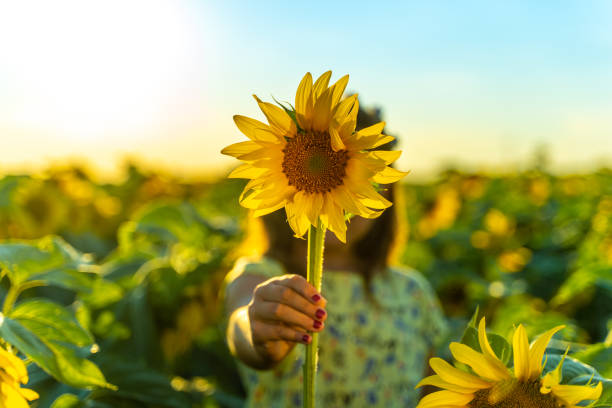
[(316, 239), (14, 292)]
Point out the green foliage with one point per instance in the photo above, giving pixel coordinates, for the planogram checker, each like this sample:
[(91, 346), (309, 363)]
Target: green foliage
[(120, 283), (49, 343)]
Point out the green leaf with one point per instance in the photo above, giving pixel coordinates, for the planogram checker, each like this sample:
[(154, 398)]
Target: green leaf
[(51, 321), (103, 293), (571, 368), (67, 401), (474, 320), (499, 344), (52, 344), (72, 401), (599, 356), (49, 259), (140, 384), (470, 338)]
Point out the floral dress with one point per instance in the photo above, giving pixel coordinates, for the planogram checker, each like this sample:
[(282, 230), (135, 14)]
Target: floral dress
[(369, 355)]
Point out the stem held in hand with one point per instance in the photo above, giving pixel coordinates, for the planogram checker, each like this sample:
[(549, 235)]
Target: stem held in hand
[(316, 238)]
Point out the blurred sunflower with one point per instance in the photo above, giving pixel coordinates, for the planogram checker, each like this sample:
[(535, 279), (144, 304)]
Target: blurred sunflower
[(494, 386), (13, 372), (311, 161)]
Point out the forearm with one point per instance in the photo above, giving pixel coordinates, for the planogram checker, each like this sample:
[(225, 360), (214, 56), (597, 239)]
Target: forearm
[(240, 341)]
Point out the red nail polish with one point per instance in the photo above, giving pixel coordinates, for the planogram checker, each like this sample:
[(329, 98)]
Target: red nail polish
[(306, 338), (320, 313), (317, 324), (316, 297)]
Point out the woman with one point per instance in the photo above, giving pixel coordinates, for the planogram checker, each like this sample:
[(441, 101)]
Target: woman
[(377, 324)]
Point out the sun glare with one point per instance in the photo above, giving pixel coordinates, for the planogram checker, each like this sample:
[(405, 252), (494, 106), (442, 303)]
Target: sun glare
[(86, 69)]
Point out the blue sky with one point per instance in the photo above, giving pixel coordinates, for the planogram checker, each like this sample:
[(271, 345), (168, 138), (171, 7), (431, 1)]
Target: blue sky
[(478, 83)]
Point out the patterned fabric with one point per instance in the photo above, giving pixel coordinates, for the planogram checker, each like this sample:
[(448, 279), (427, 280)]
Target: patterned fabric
[(369, 356)]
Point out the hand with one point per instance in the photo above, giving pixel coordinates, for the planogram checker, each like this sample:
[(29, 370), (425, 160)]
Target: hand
[(282, 312)]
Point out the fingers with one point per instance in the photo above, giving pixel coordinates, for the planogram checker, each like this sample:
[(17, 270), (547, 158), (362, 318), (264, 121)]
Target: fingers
[(265, 332), (279, 312), (302, 287), (287, 296)]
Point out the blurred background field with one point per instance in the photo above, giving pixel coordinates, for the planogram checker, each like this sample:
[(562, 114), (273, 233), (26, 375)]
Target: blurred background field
[(526, 247), (502, 111)]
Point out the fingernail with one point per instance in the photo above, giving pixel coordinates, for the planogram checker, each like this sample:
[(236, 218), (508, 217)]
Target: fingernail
[(320, 313), (316, 297), (306, 338), (317, 324)]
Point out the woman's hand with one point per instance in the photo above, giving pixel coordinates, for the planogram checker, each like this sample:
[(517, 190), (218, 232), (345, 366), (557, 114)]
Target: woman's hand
[(281, 312)]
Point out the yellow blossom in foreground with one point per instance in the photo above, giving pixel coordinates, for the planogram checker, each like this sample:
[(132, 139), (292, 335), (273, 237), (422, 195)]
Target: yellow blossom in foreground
[(493, 385), (12, 373), (311, 161)]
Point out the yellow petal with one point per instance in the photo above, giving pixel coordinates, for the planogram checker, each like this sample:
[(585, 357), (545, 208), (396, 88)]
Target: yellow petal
[(273, 152), (520, 347), (254, 202), (321, 84), (339, 88), (573, 394), (488, 351), (388, 156), (267, 210), (314, 208), (437, 381), (336, 140), (389, 175), (536, 352), (10, 395), (373, 130), (344, 108), (481, 366), (346, 130), (453, 375), (445, 399), (13, 366), (335, 216), (346, 200), (240, 149), (28, 394), (301, 202), (322, 111), (254, 129), (304, 102), (280, 122), (298, 222), (553, 378), (373, 163), (252, 184), (358, 141), (367, 194), (352, 115), (247, 171)]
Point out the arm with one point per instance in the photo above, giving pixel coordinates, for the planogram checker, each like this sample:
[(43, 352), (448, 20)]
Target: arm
[(268, 317)]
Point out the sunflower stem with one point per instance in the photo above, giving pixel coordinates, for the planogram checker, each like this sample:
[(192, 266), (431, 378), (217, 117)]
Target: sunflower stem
[(316, 239)]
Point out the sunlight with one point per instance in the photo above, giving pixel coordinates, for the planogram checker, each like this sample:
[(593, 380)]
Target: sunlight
[(88, 69)]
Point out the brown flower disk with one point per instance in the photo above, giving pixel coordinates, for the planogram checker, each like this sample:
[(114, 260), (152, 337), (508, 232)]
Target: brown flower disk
[(311, 165)]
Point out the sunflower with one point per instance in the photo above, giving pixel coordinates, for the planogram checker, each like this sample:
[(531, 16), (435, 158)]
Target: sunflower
[(311, 161), (495, 386), (13, 372)]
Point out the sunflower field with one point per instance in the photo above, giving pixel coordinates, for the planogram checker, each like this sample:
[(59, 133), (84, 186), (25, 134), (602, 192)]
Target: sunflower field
[(111, 292)]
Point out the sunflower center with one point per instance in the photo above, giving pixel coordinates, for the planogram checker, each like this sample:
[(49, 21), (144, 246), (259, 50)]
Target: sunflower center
[(513, 394), (311, 165)]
